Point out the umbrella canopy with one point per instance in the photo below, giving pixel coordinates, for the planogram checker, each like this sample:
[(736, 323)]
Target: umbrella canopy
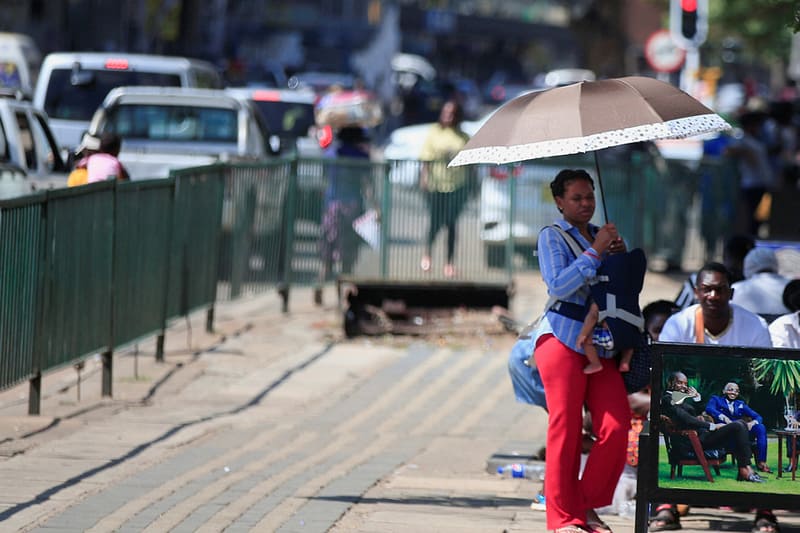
[(587, 116)]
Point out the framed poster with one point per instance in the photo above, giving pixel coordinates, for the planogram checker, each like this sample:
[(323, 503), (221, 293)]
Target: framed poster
[(767, 380)]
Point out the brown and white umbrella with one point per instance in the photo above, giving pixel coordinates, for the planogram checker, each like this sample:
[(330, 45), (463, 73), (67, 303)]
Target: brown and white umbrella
[(587, 116)]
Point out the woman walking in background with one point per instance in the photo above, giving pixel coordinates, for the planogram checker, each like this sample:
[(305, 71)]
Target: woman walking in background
[(446, 189)]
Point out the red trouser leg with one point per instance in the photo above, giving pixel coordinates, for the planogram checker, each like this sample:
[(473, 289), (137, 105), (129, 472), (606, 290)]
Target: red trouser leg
[(567, 389)]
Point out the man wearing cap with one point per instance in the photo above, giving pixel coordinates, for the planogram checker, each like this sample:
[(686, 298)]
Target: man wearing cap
[(80, 174), (761, 291)]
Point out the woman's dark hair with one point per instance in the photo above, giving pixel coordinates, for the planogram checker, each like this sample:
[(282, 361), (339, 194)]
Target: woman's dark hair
[(716, 267), (791, 295), (559, 184), (458, 110)]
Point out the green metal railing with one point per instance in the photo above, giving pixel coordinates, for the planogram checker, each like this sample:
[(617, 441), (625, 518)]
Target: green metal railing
[(89, 269), (77, 282), (21, 237), (142, 246)]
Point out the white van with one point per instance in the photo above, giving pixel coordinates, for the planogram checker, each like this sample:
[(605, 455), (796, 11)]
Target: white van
[(72, 85), (20, 61)]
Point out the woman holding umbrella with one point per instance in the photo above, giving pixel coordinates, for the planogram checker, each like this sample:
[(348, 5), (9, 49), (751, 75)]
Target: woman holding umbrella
[(582, 117), (560, 360)]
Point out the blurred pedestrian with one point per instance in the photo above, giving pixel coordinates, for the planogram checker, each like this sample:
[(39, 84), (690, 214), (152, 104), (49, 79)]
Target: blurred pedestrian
[(755, 173), (762, 289), (446, 188), (348, 176), (104, 165), (80, 174)]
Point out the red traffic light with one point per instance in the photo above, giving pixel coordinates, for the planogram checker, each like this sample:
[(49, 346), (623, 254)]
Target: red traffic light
[(689, 5)]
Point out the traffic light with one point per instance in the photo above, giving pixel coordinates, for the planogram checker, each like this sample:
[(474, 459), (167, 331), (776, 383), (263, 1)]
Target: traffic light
[(689, 19), (689, 22)]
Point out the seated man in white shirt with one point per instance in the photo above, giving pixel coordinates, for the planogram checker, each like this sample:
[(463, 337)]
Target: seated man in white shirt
[(785, 330), (715, 320)]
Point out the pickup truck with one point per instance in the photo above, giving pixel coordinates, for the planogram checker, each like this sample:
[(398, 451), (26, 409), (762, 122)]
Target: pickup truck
[(28, 151), (165, 128)]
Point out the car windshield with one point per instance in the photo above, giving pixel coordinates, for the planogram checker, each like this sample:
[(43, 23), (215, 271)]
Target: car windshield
[(173, 123), (287, 119), (74, 97)]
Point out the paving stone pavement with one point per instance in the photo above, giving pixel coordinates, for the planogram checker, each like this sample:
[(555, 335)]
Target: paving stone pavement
[(275, 422)]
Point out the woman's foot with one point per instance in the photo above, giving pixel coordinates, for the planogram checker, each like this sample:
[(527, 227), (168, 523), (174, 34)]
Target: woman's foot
[(425, 263), (763, 467), (765, 522), (665, 519), (449, 270), (595, 524)]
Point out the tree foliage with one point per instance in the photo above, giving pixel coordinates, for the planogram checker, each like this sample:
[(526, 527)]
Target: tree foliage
[(763, 28), (783, 376)]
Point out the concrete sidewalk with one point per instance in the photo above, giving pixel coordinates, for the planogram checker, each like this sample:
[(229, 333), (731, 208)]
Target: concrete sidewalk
[(275, 422)]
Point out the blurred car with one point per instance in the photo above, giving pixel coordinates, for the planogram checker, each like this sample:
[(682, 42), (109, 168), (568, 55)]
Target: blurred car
[(27, 142), (288, 114), (72, 85), (164, 128), (20, 60), (14, 182)]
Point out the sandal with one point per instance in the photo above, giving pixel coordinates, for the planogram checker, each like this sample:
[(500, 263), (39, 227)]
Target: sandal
[(595, 523), (665, 519), (572, 528), (765, 522), (598, 526)]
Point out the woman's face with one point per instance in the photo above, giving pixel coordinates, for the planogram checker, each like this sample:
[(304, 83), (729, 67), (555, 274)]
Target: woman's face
[(447, 117), (578, 203)]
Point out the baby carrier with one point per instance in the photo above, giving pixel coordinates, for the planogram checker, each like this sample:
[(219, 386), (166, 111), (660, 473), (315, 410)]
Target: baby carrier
[(618, 282)]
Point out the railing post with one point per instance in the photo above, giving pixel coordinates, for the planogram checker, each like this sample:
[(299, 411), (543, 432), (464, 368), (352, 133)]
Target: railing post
[(386, 217), (512, 213), (291, 201), (35, 394), (210, 320), (160, 347), (108, 373)]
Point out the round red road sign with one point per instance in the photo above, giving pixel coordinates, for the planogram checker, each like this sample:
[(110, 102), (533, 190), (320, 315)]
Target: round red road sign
[(662, 53)]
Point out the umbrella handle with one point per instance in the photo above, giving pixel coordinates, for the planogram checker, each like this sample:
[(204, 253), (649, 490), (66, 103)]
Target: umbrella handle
[(600, 185)]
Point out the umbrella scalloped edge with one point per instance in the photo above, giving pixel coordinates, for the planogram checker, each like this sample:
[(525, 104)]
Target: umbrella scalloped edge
[(674, 129)]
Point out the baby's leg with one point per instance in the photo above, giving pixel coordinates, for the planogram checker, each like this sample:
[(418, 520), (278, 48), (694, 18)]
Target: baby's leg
[(588, 325), (594, 360), (625, 360), (585, 340)]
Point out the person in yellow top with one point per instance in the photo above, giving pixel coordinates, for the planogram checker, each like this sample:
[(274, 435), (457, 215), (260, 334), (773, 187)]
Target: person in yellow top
[(445, 187), (80, 174)]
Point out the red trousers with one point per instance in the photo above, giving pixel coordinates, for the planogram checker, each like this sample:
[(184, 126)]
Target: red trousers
[(568, 389)]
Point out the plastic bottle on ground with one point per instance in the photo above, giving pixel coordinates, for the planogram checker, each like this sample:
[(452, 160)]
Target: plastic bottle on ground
[(519, 470)]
